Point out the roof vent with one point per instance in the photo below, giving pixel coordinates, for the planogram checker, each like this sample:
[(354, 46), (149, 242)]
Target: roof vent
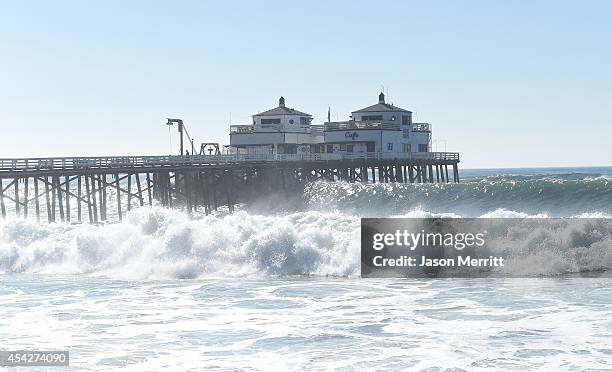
[(381, 98), (281, 102)]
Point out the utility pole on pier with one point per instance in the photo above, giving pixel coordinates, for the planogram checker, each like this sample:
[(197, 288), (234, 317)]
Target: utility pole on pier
[(180, 129)]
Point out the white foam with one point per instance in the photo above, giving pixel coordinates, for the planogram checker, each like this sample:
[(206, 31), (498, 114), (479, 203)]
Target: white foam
[(505, 213), (162, 243)]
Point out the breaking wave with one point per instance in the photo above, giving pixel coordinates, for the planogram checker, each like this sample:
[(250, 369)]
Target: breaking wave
[(553, 196), (157, 243), (163, 243)]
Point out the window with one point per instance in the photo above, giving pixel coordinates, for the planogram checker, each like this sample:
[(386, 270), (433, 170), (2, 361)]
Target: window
[(390, 146), (304, 121), (290, 121), (330, 149), (423, 147), (370, 147), (270, 121), (407, 147), (342, 147), (287, 148), (349, 148), (406, 133), (371, 118), (405, 120)]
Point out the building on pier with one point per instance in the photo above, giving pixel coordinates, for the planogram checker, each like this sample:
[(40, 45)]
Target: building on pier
[(382, 128), (280, 152), (281, 130)]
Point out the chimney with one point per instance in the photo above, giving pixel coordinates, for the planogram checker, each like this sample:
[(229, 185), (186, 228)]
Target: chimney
[(281, 102), (381, 98)]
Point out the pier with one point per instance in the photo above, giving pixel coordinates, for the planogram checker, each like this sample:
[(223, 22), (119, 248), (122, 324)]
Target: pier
[(90, 189)]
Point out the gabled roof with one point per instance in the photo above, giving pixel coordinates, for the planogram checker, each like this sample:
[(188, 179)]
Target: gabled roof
[(380, 107), (282, 111)]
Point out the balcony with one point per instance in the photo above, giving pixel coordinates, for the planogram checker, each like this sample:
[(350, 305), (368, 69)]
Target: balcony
[(241, 129), (352, 125), (421, 127), (315, 130)]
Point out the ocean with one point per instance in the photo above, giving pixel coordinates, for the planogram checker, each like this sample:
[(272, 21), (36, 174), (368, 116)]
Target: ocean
[(276, 285)]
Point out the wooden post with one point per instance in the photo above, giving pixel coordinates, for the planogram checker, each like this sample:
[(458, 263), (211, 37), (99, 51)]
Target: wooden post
[(228, 191), (53, 198), (67, 198), (25, 198), (129, 189), (93, 198), (49, 216), (160, 186), (170, 188), (17, 206), (60, 197), (79, 197), (2, 206), (102, 196), (89, 212), (118, 196), (149, 189), (446, 170), (36, 201), (206, 197), (214, 188), (139, 190)]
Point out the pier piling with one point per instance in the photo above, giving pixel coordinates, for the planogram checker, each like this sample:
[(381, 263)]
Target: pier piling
[(192, 182)]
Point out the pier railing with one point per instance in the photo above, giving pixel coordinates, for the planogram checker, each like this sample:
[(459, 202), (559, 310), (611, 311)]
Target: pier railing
[(115, 162), (351, 125)]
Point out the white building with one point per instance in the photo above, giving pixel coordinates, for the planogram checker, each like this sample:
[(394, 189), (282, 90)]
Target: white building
[(281, 130), (378, 128)]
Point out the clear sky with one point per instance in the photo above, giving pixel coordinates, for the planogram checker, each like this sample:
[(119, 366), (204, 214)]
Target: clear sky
[(506, 83)]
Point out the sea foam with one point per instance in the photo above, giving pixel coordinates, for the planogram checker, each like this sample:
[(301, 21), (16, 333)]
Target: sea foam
[(157, 243)]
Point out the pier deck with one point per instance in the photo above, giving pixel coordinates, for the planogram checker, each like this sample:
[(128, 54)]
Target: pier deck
[(65, 188)]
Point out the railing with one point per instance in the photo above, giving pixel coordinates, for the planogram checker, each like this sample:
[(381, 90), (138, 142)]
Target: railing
[(351, 125), (241, 128), (249, 129), (316, 130), (421, 127), (341, 125), (114, 162)]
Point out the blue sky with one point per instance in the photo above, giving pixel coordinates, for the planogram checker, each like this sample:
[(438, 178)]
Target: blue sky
[(507, 84)]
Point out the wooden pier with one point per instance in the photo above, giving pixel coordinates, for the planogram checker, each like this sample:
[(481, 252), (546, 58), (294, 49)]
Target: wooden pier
[(95, 189)]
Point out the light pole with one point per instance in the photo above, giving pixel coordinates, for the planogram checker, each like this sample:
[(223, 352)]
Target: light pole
[(444, 144)]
